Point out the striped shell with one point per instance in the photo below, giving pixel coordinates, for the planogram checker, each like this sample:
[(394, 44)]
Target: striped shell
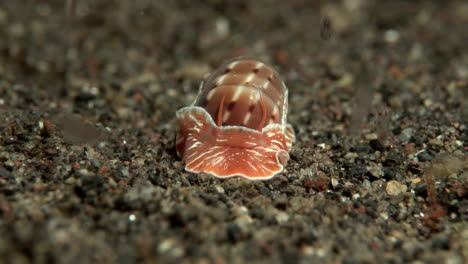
[(237, 124)]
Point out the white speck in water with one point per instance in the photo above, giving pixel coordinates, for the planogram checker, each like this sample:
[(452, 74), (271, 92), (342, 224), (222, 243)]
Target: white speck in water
[(124, 142), (131, 218)]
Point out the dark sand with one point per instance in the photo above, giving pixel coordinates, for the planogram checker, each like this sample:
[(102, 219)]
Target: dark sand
[(88, 171)]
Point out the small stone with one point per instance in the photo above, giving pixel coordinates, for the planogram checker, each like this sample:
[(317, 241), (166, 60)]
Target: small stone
[(406, 134), (96, 163), (361, 148), (70, 180), (384, 215), (419, 141), (317, 184), (17, 156), (83, 173), (428, 103), (282, 217), (436, 141), (345, 81), (409, 148), (171, 248), (375, 170), (219, 189), (416, 180), (356, 196), (391, 36), (351, 155), (238, 230), (334, 182), (371, 136), (5, 174), (281, 201), (424, 156), (125, 172), (366, 184), (391, 173), (376, 145), (441, 242), (241, 211), (393, 157), (51, 152), (394, 187), (9, 164)]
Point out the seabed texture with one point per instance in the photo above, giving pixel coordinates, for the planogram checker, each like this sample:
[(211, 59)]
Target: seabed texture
[(88, 170)]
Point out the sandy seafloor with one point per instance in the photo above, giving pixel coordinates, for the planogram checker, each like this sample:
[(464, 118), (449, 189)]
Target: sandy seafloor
[(88, 171)]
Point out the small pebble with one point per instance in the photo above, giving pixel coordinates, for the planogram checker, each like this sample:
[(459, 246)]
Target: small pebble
[(406, 134), (171, 248), (375, 170), (394, 188), (5, 174), (51, 152), (416, 180), (334, 182), (282, 217), (70, 180), (424, 156), (351, 155), (125, 172), (436, 141), (371, 136), (391, 36), (219, 189)]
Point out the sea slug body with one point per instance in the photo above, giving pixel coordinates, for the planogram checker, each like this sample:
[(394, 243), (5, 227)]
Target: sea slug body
[(237, 125)]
